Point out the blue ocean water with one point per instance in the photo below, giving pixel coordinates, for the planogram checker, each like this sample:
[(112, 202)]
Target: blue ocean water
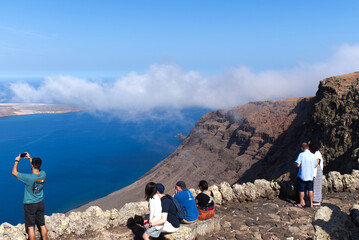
[(85, 157)]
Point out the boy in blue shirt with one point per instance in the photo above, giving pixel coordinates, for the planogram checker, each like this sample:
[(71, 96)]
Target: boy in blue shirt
[(34, 207), (185, 198)]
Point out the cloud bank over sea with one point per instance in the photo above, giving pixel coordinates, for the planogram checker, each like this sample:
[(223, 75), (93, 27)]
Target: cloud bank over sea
[(168, 86)]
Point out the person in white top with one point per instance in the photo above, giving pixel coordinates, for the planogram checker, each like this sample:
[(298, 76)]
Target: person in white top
[(306, 162), (318, 174), (155, 207)]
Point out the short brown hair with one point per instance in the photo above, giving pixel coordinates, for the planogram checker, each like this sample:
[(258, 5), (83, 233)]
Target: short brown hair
[(36, 163), (305, 145)]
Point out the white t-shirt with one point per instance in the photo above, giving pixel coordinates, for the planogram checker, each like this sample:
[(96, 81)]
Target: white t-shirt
[(154, 204)]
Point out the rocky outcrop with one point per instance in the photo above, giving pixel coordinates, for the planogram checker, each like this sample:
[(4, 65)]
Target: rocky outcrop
[(10, 232), (354, 214), (330, 222), (335, 122)]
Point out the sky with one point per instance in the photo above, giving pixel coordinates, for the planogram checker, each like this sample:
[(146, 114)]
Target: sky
[(139, 56)]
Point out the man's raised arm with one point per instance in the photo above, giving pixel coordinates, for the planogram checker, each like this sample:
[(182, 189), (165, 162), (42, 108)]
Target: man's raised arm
[(14, 169)]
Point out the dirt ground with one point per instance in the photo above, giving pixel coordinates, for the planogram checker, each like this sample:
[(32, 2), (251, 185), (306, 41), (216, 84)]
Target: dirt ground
[(274, 219)]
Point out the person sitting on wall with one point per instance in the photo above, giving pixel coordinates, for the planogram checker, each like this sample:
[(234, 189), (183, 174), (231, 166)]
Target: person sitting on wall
[(155, 207), (205, 202), (186, 199), (168, 219)]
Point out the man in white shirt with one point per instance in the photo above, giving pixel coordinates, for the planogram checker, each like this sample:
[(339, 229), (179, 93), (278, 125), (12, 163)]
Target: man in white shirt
[(306, 162)]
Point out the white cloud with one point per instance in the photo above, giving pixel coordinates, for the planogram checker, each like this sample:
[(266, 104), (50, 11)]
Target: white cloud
[(169, 86)]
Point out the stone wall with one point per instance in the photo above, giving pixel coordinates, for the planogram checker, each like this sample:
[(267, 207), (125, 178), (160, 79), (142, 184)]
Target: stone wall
[(97, 221)]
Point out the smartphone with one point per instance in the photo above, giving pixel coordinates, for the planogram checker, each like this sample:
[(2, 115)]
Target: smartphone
[(22, 155)]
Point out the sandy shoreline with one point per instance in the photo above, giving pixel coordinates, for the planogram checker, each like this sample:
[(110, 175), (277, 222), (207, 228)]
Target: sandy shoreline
[(15, 109)]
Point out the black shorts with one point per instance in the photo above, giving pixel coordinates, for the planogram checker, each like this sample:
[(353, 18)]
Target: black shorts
[(304, 185), (34, 214)]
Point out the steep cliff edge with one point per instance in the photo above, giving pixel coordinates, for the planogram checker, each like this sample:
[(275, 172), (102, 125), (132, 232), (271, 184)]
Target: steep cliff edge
[(225, 145), (260, 140), (335, 121)]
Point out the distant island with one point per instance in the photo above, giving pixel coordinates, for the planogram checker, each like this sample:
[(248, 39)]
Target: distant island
[(15, 109)]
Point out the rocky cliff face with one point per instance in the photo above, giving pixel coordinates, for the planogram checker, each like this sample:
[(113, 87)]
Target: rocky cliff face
[(335, 121), (260, 140), (226, 145)]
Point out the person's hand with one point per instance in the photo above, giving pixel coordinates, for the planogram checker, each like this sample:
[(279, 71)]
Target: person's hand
[(28, 157), (18, 158), (146, 226)]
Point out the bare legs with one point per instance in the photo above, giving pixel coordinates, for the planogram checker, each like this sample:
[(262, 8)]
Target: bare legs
[(31, 232), (301, 198), (310, 193), (145, 236)]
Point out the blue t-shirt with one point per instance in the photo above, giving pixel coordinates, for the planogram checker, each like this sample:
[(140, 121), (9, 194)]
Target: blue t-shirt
[(186, 199), (307, 161), (33, 186)]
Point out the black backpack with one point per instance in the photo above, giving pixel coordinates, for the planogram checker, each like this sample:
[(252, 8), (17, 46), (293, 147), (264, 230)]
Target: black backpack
[(181, 211)]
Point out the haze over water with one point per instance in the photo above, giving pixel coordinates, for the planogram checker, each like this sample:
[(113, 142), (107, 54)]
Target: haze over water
[(85, 157)]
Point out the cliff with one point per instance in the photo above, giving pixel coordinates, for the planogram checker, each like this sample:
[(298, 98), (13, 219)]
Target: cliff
[(260, 140), (335, 121), (223, 146)]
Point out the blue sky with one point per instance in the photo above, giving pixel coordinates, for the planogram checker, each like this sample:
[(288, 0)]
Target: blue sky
[(99, 39), (120, 36)]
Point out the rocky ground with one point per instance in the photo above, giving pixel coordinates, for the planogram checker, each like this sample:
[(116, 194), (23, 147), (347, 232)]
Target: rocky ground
[(260, 220), (274, 219)]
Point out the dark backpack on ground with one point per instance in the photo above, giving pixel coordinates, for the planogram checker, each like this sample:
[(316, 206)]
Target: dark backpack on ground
[(181, 210)]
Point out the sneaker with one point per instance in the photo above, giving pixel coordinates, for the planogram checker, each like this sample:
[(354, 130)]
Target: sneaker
[(316, 203)]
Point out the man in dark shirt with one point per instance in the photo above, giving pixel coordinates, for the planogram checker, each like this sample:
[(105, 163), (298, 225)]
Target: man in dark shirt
[(205, 201), (168, 216)]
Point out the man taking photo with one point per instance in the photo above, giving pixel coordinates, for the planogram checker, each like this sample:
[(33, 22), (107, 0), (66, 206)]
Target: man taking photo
[(34, 207)]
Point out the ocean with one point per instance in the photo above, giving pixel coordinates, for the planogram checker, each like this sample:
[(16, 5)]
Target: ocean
[(85, 157)]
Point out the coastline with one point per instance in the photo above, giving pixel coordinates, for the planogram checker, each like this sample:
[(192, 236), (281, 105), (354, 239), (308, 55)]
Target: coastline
[(17, 109)]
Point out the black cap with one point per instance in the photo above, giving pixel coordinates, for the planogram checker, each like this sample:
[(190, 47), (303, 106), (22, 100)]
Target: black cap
[(182, 185), (160, 188)]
